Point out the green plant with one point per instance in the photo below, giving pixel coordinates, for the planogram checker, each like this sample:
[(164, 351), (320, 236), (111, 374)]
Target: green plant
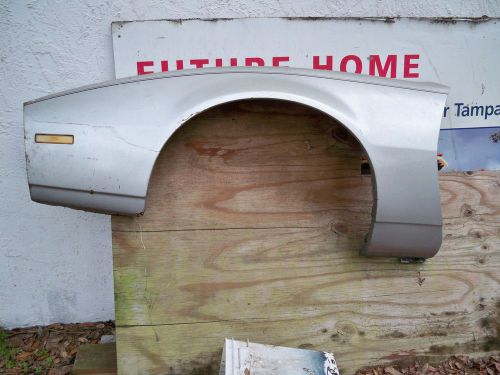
[(6, 352), (11, 363), (26, 367), (41, 352), (4, 348)]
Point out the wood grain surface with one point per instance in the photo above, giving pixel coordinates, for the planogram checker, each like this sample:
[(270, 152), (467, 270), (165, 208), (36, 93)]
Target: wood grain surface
[(95, 359), (255, 215)]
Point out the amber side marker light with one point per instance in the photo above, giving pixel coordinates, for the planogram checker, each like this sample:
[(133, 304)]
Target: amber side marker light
[(63, 139)]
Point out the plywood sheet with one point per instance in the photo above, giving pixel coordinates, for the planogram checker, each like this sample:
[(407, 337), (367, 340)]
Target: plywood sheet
[(255, 216)]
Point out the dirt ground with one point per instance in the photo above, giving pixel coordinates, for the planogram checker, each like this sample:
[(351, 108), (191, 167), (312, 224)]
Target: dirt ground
[(48, 349), (459, 364), (51, 350)]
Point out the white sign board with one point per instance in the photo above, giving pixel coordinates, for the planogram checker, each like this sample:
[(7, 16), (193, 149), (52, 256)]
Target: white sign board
[(248, 358), (462, 55)]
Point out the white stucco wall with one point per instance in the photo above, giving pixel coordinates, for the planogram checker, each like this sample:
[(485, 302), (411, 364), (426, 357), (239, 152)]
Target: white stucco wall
[(55, 263)]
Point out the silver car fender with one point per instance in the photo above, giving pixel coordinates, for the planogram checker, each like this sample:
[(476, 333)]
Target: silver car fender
[(94, 147)]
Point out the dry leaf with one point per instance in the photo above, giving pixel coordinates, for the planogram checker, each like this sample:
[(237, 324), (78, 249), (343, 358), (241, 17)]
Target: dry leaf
[(392, 371), (23, 356)]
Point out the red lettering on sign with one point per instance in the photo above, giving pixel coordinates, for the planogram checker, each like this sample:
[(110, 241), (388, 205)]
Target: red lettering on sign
[(376, 65), (199, 62), (233, 61), (408, 65), (164, 66), (141, 65), (347, 59), (319, 66), (249, 61), (279, 59)]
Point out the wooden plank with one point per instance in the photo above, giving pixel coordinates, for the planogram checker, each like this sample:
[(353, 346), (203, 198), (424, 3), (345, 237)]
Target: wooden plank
[(260, 164), (95, 359), (255, 217)]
